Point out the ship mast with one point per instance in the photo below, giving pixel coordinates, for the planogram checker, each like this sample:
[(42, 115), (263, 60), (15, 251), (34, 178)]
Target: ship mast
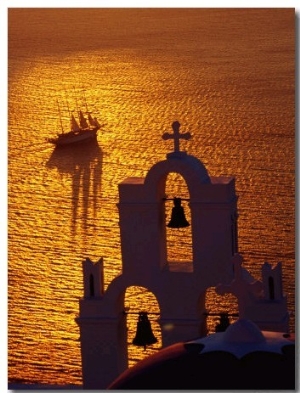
[(59, 112)]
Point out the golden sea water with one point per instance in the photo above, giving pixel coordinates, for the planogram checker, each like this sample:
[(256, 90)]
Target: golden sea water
[(227, 75)]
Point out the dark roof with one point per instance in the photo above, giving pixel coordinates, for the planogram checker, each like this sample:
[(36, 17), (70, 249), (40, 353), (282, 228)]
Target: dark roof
[(192, 366)]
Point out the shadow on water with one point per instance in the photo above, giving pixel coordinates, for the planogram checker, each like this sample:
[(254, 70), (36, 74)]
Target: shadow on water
[(83, 162)]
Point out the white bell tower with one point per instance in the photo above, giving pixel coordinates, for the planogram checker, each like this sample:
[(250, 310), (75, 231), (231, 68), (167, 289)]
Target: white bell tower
[(180, 292)]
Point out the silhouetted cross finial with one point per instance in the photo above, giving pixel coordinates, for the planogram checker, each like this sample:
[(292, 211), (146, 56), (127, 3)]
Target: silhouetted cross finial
[(176, 135)]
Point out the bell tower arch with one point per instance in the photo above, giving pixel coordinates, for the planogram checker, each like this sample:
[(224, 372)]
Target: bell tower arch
[(213, 204), (178, 219), (180, 293)]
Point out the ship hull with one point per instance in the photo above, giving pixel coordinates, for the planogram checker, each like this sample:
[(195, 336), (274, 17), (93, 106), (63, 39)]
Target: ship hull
[(74, 137)]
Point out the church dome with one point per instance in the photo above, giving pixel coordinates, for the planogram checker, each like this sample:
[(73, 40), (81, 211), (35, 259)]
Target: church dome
[(254, 359)]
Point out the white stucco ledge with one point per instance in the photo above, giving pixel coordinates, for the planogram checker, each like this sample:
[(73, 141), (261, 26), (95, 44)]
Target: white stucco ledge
[(243, 337)]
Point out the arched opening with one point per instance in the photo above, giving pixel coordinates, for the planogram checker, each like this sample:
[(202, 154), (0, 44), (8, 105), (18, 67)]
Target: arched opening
[(271, 288), (218, 304), (179, 240), (141, 299), (92, 286)]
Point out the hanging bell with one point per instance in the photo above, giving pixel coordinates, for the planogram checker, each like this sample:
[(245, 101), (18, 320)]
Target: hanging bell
[(144, 335), (178, 219), (223, 323)]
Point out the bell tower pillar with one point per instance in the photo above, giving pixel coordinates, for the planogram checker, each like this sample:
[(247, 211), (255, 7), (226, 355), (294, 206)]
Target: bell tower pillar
[(102, 325)]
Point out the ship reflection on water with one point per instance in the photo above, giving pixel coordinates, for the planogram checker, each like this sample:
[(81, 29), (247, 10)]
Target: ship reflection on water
[(83, 163)]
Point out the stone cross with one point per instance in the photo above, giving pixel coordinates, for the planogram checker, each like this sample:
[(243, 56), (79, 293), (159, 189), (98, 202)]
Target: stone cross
[(176, 135)]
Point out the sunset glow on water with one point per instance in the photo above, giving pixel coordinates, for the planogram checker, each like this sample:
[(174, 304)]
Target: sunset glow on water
[(227, 75)]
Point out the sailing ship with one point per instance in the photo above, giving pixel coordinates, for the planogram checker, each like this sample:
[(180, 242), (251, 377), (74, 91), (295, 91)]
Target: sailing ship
[(80, 131)]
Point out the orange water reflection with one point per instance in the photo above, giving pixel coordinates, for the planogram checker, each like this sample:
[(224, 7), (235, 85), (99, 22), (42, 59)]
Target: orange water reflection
[(239, 108)]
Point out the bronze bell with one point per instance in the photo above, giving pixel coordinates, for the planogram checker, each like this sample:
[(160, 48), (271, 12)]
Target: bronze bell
[(223, 323), (144, 335), (178, 219)]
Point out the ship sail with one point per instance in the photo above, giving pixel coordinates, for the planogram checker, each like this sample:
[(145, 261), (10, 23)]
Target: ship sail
[(83, 121), (97, 124), (93, 121), (74, 124)]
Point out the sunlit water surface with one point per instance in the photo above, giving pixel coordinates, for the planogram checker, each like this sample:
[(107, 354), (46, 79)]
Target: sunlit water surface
[(226, 75)]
